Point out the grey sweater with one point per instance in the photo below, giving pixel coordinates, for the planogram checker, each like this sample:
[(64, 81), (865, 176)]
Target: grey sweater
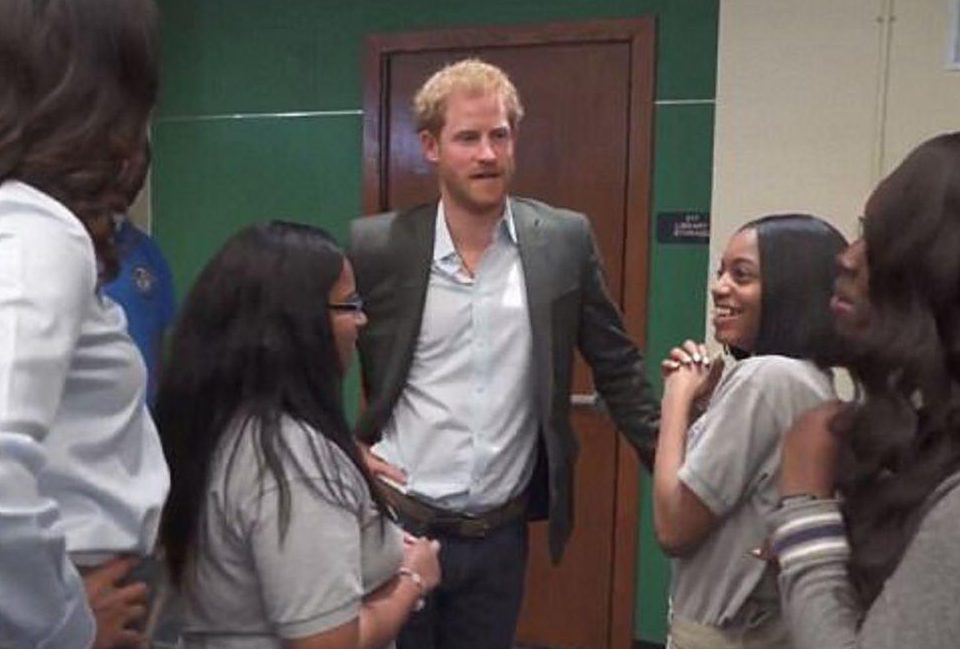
[(919, 606)]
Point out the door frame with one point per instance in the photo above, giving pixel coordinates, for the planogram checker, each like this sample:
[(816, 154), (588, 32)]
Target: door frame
[(639, 33)]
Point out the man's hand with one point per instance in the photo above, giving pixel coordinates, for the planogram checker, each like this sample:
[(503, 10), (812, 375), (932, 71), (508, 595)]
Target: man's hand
[(379, 467), (116, 607)]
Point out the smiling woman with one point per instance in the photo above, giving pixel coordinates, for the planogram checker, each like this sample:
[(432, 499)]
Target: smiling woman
[(274, 531), (736, 292), (879, 567), (850, 303), (716, 473)]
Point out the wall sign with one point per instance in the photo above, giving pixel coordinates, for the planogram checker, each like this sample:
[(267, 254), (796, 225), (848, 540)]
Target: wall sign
[(683, 227)]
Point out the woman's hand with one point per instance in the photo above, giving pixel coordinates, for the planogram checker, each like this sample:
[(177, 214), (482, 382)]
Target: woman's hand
[(116, 606), (421, 556), (681, 520), (689, 353), (689, 373), (386, 609), (809, 459)]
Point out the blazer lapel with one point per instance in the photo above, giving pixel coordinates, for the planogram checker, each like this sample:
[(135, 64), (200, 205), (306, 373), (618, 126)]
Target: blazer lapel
[(537, 278), (414, 231)]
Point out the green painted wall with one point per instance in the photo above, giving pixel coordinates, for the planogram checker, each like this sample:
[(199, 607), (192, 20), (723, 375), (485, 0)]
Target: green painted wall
[(682, 174), (213, 173)]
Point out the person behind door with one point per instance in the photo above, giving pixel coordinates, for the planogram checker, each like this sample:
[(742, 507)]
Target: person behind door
[(476, 303), (82, 474), (272, 531), (716, 473), (868, 534)]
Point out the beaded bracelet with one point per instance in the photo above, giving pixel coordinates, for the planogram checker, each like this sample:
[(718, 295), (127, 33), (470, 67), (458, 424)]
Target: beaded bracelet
[(418, 582)]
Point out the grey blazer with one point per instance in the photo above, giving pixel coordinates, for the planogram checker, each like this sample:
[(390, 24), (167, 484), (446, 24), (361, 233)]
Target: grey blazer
[(569, 308)]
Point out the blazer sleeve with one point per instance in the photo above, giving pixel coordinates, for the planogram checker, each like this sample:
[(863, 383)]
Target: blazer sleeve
[(617, 365)]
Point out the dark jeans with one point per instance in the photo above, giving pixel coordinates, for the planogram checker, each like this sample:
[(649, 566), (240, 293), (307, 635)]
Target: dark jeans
[(478, 601)]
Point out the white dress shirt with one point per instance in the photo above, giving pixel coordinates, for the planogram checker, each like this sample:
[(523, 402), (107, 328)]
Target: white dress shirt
[(464, 428), (81, 467)]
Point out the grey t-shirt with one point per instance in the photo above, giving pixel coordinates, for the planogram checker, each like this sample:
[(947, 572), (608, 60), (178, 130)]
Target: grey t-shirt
[(252, 589), (732, 464)]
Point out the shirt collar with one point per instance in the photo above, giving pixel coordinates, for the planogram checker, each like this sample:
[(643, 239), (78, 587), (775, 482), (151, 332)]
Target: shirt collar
[(443, 243)]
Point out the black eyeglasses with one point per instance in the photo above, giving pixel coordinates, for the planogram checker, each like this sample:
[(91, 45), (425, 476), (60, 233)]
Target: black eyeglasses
[(353, 304)]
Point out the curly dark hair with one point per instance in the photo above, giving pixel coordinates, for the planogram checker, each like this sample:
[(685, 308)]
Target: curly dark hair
[(78, 79), (903, 438)]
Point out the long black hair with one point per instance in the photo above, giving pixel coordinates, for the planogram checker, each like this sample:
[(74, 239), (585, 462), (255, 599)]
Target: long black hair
[(253, 344), (797, 270), (904, 438), (78, 79)]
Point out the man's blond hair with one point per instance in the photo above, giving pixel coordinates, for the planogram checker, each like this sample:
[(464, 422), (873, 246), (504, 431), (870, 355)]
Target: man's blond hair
[(472, 76)]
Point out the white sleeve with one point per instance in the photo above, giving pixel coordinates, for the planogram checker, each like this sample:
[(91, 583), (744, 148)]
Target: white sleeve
[(42, 600), (47, 275)]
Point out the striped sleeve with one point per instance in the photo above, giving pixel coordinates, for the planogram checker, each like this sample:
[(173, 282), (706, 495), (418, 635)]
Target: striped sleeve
[(810, 533), (810, 543), (917, 606)]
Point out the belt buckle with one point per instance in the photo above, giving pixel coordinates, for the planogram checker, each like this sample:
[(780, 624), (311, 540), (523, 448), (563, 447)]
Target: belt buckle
[(475, 527)]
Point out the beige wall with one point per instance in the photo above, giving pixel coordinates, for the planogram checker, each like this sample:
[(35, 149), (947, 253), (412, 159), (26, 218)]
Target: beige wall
[(796, 83), (817, 99), (924, 97), (140, 210)]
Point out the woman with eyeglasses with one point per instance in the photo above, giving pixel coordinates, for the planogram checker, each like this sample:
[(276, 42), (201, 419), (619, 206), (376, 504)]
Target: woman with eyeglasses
[(274, 532)]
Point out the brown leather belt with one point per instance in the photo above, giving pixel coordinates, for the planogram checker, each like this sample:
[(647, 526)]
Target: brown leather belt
[(430, 520)]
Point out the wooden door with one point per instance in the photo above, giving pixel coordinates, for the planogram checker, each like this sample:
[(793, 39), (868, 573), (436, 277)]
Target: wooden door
[(584, 144)]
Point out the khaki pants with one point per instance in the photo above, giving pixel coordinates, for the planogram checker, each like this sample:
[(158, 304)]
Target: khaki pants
[(768, 634)]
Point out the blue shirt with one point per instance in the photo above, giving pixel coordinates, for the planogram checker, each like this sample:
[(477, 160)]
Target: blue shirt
[(464, 428), (144, 288)]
